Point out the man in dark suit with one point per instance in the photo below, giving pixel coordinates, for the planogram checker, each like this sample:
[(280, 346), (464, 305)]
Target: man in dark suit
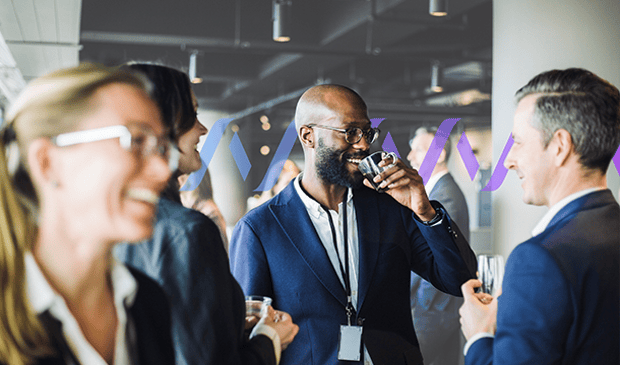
[(336, 255), (560, 301), (436, 314)]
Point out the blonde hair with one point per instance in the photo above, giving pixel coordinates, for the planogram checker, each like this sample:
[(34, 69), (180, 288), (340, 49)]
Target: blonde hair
[(52, 104)]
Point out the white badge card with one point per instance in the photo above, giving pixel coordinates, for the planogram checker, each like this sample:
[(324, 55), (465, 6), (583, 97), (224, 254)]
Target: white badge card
[(349, 348)]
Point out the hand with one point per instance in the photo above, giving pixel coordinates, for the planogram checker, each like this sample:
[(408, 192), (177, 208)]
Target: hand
[(478, 312), (250, 322), (406, 186), (283, 324)]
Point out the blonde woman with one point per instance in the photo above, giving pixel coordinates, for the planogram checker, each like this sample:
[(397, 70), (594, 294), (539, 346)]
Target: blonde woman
[(83, 159)]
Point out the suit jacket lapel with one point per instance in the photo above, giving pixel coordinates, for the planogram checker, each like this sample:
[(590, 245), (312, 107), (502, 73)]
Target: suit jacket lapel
[(58, 341), (587, 201), (369, 229), (290, 212)]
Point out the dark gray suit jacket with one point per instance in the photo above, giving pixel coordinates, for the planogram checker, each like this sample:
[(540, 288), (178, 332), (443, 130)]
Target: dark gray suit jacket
[(187, 258), (435, 313)]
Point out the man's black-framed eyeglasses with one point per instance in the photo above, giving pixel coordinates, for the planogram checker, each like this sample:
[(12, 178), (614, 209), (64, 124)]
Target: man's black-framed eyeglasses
[(353, 135)]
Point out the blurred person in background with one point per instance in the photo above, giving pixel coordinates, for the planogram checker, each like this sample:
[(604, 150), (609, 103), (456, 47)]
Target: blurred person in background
[(83, 159), (187, 258), (435, 313), (201, 199), (288, 173)]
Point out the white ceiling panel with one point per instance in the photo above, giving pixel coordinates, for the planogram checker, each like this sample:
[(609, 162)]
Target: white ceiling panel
[(45, 13), (68, 13), (27, 20), (42, 35), (30, 59), (9, 26)]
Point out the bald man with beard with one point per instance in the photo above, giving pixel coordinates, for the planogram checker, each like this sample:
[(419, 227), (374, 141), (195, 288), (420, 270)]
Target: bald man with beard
[(336, 254)]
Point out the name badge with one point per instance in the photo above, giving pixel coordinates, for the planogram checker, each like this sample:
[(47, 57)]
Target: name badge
[(350, 345)]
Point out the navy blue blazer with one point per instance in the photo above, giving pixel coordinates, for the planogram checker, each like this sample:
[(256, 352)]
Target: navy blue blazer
[(560, 301), (275, 251), (435, 313)]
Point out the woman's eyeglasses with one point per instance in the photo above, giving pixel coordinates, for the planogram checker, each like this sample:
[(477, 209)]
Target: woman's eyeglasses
[(142, 142), (353, 135)]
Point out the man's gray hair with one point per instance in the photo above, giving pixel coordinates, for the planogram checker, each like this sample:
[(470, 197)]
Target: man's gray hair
[(582, 103)]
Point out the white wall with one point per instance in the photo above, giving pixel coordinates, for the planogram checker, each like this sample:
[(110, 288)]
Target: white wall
[(531, 36), (228, 185)]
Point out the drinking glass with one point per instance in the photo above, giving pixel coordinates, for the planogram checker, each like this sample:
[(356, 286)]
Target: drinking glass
[(490, 273), (256, 305), (369, 166)]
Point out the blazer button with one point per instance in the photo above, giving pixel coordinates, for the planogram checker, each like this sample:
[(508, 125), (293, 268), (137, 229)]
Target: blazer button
[(360, 321)]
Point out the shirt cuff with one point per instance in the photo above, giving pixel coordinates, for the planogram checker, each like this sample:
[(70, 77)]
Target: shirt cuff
[(475, 338), (263, 329)]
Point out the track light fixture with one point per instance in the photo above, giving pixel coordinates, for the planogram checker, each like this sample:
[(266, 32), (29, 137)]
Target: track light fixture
[(438, 7), (192, 68), (435, 77), (281, 18)]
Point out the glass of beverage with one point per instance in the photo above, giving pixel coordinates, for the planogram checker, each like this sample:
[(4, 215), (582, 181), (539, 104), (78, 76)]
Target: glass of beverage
[(491, 273), (369, 166), (256, 305)]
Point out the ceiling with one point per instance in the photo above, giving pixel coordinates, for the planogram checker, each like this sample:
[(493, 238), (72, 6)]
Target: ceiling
[(36, 37), (383, 49)]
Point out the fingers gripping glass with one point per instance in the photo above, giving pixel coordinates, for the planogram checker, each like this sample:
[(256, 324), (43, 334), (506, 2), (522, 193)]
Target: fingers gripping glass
[(354, 134), (143, 143)]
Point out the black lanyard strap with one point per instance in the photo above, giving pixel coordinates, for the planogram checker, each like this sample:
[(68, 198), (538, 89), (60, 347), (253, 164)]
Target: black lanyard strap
[(344, 271), (345, 239)]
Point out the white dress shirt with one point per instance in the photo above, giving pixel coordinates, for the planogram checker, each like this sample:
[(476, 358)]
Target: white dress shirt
[(546, 219), (430, 184), (320, 221), (43, 297)]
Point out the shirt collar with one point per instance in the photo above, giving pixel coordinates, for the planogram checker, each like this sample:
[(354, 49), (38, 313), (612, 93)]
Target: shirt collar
[(433, 181), (312, 206), (43, 297), (546, 219)]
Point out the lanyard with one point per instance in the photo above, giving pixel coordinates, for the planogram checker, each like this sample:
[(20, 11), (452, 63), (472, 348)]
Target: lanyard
[(344, 271)]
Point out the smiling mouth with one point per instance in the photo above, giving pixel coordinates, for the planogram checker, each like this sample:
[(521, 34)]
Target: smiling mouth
[(354, 160), (143, 195)]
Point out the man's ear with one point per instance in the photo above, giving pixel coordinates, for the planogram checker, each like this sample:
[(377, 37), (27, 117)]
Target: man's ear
[(306, 136), (562, 142), (40, 162)]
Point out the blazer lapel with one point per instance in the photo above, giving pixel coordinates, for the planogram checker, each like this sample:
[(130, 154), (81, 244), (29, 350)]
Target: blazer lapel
[(290, 213), (587, 201), (369, 233), (57, 339)]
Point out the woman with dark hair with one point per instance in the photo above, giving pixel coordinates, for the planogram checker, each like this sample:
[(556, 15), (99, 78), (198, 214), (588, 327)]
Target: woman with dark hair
[(179, 109), (83, 159), (186, 255)]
